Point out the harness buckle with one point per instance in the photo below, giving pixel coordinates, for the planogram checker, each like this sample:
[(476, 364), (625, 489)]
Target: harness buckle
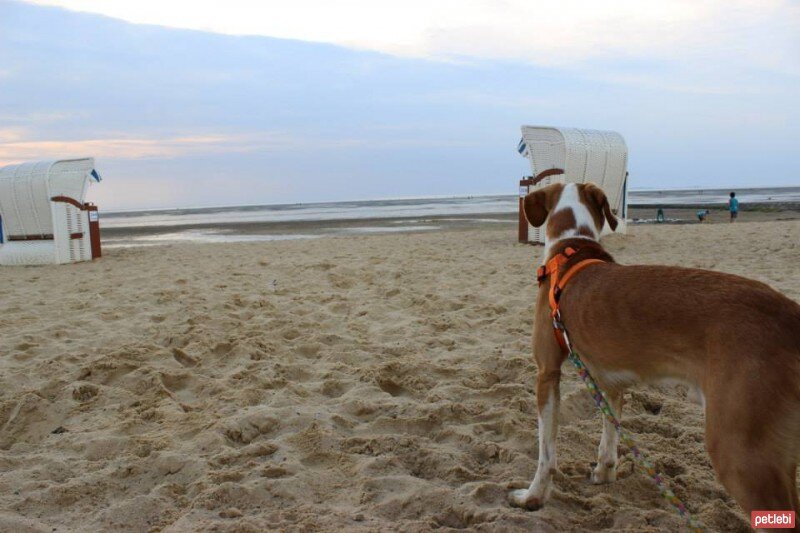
[(541, 274)]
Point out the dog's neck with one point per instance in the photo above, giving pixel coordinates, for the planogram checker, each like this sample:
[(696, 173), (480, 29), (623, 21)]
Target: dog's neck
[(552, 248), (585, 249)]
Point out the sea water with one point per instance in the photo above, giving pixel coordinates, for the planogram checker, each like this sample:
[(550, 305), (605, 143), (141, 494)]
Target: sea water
[(219, 224)]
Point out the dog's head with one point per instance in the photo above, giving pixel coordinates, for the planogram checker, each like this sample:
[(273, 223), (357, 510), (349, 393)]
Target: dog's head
[(571, 210)]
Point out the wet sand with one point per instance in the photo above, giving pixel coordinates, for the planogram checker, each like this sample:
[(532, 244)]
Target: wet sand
[(210, 232)]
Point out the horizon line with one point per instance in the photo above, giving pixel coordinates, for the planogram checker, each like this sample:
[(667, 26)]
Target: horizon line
[(432, 197)]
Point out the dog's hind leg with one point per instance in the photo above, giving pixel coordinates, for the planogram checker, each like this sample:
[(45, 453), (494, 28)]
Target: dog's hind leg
[(756, 481), (606, 469), (754, 460), (549, 359)]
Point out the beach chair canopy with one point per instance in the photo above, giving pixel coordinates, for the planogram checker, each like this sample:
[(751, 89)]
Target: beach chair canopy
[(42, 211)]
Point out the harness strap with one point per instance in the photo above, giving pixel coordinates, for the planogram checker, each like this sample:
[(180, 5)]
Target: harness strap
[(558, 281), (553, 266), (557, 285)]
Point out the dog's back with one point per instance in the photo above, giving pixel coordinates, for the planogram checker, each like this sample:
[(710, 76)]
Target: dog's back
[(684, 310)]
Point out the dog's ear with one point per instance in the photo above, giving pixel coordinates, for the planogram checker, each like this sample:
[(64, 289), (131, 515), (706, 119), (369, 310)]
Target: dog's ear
[(535, 207), (596, 195)]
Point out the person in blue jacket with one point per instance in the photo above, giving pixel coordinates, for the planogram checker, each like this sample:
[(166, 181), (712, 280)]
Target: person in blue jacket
[(733, 206)]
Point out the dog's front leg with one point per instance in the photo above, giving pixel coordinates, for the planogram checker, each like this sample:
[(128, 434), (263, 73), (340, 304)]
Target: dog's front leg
[(548, 397), (606, 469)]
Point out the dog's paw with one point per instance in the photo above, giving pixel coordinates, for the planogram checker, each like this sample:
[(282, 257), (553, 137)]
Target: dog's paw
[(602, 474), (521, 498)]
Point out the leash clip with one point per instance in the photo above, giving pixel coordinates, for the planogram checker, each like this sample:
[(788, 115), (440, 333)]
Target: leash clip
[(557, 323), (560, 331)]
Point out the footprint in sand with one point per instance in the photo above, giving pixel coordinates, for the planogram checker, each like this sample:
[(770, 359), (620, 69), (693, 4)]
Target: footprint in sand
[(222, 348), (309, 349), (26, 346), (246, 428), (391, 387), (489, 494), (334, 388), (85, 392), (275, 472), (183, 358)]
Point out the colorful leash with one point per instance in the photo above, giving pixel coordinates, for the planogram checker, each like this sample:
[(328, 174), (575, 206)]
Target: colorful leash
[(602, 404)]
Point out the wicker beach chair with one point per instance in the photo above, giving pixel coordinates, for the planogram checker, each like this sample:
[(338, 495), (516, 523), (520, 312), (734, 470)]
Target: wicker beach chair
[(600, 157), (43, 217)]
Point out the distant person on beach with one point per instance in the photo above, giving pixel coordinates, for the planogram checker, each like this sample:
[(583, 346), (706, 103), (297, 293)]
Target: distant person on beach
[(702, 214), (733, 206)]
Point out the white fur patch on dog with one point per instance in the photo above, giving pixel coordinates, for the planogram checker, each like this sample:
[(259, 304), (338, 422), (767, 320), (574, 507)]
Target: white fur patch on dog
[(570, 199)]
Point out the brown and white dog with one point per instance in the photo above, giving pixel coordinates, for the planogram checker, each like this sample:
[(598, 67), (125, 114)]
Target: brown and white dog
[(733, 340)]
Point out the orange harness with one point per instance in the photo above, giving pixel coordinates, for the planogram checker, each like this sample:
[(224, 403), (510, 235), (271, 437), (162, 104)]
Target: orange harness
[(558, 281)]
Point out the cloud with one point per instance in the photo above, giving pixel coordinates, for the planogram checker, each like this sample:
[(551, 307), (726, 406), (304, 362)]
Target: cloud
[(761, 32), (54, 116), (705, 86), (9, 135), (13, 149)]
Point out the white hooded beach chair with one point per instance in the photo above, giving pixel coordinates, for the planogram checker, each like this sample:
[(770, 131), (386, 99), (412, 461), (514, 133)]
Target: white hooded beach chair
[(43, 217), (573, 155)]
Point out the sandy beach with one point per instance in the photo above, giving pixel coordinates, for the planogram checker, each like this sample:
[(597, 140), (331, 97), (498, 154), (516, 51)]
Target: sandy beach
[(375, 383)]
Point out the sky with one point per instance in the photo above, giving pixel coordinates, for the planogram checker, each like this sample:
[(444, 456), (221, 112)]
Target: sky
[(261, 102)]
